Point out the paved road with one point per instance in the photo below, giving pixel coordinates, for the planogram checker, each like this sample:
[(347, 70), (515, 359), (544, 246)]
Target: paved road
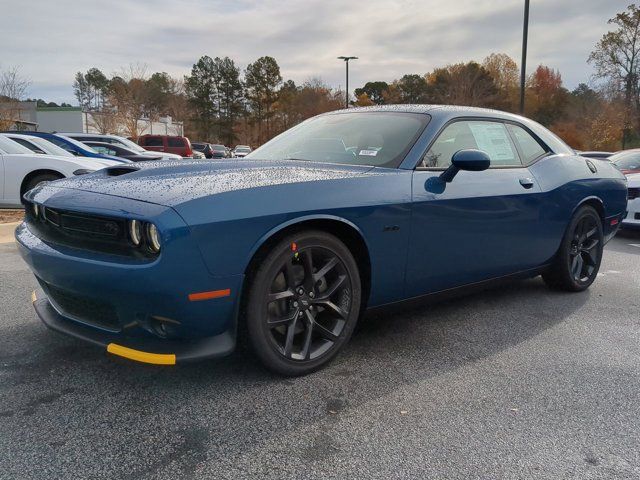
[(518, 382)]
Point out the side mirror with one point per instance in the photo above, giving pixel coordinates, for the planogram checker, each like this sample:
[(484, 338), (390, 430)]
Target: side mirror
[(470, 160)]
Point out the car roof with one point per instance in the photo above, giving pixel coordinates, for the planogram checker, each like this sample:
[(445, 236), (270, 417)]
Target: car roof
[(445, 110), (20, 134)]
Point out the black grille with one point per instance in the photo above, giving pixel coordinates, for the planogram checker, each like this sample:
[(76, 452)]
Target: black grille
[(88, 310), (84, 231), (634, 193)]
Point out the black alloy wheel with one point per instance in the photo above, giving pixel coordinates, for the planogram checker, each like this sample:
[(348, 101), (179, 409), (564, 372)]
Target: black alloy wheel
[(577, 262), (303, 303), (584, 255)]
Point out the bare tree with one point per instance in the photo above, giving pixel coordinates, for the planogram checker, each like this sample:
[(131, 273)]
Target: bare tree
[(617, 58), (13, 88), (105, 122), (128, 96)]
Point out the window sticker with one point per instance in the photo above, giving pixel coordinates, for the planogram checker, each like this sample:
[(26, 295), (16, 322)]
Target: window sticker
[(492, 138), (368, 153)]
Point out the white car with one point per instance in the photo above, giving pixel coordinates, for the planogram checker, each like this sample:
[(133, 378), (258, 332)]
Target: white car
[(632, 220), (21, 170), (125, 142), (241, 151), (38, 144)]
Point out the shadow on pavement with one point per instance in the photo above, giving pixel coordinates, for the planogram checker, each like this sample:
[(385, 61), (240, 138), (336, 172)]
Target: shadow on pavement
[(198, 410)]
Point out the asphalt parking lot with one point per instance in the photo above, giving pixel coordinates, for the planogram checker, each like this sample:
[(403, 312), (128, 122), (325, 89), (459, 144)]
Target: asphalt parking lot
[(515, 382)]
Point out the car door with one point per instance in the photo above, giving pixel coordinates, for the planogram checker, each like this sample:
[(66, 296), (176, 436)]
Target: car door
[(481, 225)]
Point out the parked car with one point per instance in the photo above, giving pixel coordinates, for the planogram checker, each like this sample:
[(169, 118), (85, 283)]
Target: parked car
[(204, 148), (307, 232), (219, 151), (596, 154), (632, 220), (38, 145), (198, 155), (627, 161), (72, 146), (241, 151), (123, 142), (121, 152), (167, 143), (21, 170)]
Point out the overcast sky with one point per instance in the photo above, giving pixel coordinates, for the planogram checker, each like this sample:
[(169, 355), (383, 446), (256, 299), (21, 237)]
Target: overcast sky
[(50, 40)]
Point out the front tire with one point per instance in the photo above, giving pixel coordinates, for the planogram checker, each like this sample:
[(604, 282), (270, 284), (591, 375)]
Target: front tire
[(39, 179), (577, 262), (303, 303)]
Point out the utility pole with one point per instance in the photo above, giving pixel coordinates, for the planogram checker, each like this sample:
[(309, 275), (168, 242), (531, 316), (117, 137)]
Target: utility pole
[(346, 62), (523, 64)]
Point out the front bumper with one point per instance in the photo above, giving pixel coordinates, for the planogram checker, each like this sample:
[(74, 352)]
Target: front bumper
[(632, 220), (161, 306), (146, 350)]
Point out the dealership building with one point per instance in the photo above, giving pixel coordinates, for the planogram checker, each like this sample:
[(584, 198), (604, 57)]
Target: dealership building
[(76, 120)]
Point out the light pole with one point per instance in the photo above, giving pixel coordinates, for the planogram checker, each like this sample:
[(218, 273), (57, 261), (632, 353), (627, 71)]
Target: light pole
[(346, 62), (523, 65)]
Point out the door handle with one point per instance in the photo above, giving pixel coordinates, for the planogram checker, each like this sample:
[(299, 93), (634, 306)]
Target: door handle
[(526, 182)]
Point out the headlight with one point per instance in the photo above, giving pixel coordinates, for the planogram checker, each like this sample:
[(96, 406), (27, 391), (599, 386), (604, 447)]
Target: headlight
[(154, 237), (135, 232)]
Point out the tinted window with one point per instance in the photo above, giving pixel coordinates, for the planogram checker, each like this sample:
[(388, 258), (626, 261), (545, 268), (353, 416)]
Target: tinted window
[(60, 143), (363, 138), (529, 146), (9, 146), (28, 144), (490, 137), (175, 142), (153, 141)]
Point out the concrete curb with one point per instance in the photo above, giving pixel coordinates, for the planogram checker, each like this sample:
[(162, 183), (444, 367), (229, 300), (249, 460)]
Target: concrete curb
[(7, 230)]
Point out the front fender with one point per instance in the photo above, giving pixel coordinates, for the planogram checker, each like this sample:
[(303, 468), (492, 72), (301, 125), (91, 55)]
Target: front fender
[(295, 221)]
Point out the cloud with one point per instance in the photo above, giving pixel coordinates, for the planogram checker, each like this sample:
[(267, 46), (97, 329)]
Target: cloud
[(50, 41)]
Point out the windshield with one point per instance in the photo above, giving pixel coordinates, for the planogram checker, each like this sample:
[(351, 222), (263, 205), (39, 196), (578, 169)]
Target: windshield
[(80, 145), (626, 160), (363, 138), (10, 147), (131, 144), (50, 148)]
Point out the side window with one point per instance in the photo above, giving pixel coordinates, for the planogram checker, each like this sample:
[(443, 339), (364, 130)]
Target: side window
[(153, 141), (490, 137), (529, 146), (28, 144), (61, 144), (175, 142)]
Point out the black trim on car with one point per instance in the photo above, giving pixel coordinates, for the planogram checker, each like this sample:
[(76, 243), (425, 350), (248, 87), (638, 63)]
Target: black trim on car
[(547, 149)]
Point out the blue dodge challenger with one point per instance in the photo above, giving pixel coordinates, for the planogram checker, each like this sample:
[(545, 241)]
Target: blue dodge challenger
[(167, 262)]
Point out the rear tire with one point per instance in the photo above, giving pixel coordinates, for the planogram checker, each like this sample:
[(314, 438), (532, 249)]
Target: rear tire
[(576, 265), (303, 303)]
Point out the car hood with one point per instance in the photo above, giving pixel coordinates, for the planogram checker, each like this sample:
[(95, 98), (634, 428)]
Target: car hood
[(172, 183)]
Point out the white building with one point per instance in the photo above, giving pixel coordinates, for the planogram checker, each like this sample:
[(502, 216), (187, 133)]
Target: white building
[(75, 120)]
